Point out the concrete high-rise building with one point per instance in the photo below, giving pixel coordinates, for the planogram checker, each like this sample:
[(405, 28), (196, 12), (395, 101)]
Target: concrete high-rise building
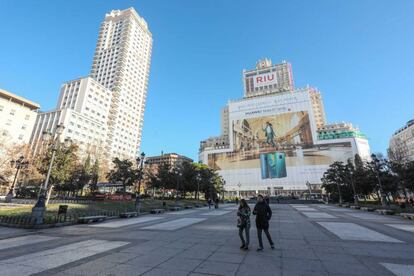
[(268, 79), (105, 111), (122, 63), (17, 117), (83, 109), (401, 145)]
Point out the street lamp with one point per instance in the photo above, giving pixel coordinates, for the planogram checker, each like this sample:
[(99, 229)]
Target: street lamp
[(40, 207), (377, 164), (198, 178), (351, 178), (18, 164), (179, 174), (140, 164)]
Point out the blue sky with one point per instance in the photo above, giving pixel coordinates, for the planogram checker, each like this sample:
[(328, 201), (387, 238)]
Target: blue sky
[(359, 53)]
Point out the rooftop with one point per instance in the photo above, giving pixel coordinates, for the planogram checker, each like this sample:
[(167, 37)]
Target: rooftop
[(19, 100)]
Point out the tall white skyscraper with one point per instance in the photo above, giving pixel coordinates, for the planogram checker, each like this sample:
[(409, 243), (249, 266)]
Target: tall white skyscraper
[(104, 113), (122, 64)]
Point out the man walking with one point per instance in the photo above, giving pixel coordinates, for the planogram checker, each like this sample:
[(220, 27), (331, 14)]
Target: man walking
[(263, 215)]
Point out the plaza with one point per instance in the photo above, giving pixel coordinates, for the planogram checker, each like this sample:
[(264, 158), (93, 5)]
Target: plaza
[(311, 239)]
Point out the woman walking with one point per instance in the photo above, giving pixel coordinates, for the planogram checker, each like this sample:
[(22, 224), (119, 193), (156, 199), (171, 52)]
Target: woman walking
[(263, 214), (243, 223)]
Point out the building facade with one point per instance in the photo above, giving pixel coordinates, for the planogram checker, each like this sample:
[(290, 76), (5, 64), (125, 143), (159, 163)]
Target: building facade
[(401, 145), (267, 78), (173, 159), (104, 112), (17, 118), (279, 142), (122, 64)]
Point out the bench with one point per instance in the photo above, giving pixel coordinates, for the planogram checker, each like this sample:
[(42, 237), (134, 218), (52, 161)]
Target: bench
[(128, 214), (175, 208), (355, 207), (385, 212), (188, 207), (407, 215), (368, 209), (157, 211), (90, 219)]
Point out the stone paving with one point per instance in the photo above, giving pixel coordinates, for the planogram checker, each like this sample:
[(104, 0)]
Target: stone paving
[(310, 240)]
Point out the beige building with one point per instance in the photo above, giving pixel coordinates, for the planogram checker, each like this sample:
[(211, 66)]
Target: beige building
[(401, 145), (173, 159), (17, 117)]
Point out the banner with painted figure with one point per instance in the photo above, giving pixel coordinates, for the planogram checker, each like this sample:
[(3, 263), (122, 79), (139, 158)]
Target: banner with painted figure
[(276, 149)]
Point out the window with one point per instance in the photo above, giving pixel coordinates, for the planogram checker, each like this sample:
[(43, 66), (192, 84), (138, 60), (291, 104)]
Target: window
[(21, 137), (12, 112), (1, 108)]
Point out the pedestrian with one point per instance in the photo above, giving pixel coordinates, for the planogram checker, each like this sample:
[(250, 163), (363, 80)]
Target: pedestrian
[(263, 215), (209, 203), (243, 223), (138, 203), (237, 200), (216, 203)]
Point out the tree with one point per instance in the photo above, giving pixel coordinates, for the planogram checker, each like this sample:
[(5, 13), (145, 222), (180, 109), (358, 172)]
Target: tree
[(336, 182), (123, 172), (94, 177), (63, 168)]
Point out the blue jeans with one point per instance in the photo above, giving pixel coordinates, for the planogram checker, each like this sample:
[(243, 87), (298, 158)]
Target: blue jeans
[(247, 232)]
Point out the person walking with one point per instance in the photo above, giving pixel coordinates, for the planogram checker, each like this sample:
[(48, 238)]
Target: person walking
[(243, 223), (209, 203), (263, 215)]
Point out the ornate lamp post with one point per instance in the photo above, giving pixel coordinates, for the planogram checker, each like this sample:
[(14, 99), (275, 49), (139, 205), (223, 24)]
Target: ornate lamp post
[(198, 177), (18, 164), (377, 164), (140, 165), (39, 209), (179, 174)]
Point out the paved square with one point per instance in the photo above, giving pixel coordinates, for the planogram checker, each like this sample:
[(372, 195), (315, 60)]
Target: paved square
[(352, 231), (197, 244), (405, 227), (318, 215), (125, 222), (174, 224)]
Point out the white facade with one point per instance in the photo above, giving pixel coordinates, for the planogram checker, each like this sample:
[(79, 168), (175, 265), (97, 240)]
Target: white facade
[(401, 145), (83, 109), (105, 111), (122, 64), (87, 133), (17, 118)]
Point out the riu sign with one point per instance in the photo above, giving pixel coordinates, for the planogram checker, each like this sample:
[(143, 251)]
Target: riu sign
[(265, 79)]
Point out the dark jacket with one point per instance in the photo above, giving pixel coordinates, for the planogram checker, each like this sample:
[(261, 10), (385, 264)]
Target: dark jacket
[(263, 214)]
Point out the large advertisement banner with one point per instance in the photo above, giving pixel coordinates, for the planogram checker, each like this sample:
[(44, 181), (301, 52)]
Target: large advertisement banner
[(276, 150)]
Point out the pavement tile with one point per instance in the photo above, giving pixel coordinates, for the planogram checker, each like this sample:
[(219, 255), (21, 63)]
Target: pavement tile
[(125, 270), (262, 270), (335, 267), (299, 254), (217, 268), (227, 258), (179, 263), (165, 272)]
